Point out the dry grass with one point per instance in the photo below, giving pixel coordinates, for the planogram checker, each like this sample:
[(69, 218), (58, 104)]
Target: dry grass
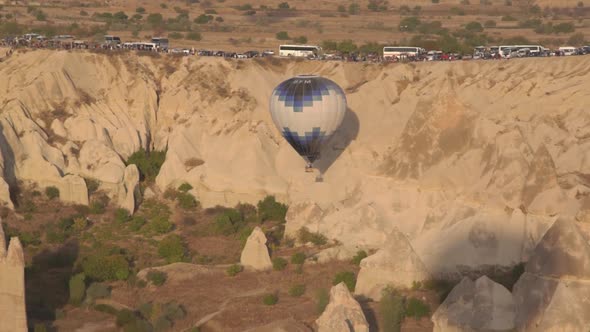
[(318, 21)]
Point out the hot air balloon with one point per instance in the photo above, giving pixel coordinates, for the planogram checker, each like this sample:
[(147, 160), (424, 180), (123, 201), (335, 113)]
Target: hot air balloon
[(307, 110)]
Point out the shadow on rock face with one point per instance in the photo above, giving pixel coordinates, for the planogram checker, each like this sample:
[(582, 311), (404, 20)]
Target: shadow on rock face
[(347, 133), (47, 282)]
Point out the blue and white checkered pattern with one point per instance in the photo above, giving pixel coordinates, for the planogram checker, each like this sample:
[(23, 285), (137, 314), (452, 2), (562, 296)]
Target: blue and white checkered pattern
[(307, 110)]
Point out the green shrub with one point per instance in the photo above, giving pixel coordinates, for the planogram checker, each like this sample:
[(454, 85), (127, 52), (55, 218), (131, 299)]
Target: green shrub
[(30, 238), (243, 235), (125, 316), (185, 187), (40, 327), (122, 215), (173, 311), (279, 263), (137, 325), (270, 209), (160, 225), (186, 201), (80, 225), (146, 309), (305, 236), (347, 277), (52, 192), (97, 291), (474, 27), (297, 290), (416, 308), (228, 222), (172, 248), (234, 270), (157, 214), (140, 10), (360, 255), (391, 309), (354, 9), (282, 35), (322, 299), (162, 324), (137, 223), (270, 299), (194, 35), (148, 163), (92, 185), (300, 40), (203, 19), (77, 288), (157, 278), (106, 309), (97, 207), (298, 258), (102, 267)]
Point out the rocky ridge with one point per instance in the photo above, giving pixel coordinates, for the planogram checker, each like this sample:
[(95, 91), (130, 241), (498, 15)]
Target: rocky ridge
[(472, 161)]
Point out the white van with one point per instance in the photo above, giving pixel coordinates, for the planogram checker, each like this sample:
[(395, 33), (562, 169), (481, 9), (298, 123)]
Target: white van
[(568, 50)]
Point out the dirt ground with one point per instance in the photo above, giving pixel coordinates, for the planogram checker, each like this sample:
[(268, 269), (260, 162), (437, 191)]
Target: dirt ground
[(212, 299)]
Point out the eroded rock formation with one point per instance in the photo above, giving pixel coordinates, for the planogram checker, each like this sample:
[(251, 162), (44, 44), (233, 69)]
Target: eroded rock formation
[(12, 286)]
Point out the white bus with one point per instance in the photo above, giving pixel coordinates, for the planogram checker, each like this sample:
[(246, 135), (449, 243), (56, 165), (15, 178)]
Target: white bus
[(161, 42), (402, 51), (568, 50), (299, 50), (112, 40), (508, 51)]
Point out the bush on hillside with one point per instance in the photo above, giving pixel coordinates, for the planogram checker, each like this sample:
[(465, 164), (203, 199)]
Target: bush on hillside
[(270, 209), (101, 267), (347, 277), (52, 192), (234, 269), (416, 308), (122, 215), (228, 222), (270, 299), (77, 288), (279, 263), (391, 309), (298, 258), (185, 187), (157, 278), (186, 201), (322, 300), (305, 236), (297, 290), (172, 248), (360, 255), (148, 163), (96, 291)]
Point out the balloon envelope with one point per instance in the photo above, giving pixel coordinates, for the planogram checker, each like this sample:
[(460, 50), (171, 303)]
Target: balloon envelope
[(307, 109)]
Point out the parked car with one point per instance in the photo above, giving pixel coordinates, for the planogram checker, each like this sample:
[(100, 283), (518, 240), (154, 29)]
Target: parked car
[(268, 52), (252, 54)]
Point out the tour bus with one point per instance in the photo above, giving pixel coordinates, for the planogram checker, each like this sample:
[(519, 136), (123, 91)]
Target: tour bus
[(114, 40), (508, 51), (402, 51), (299, 50), (567, 50), (161, 42), (148, 46)]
